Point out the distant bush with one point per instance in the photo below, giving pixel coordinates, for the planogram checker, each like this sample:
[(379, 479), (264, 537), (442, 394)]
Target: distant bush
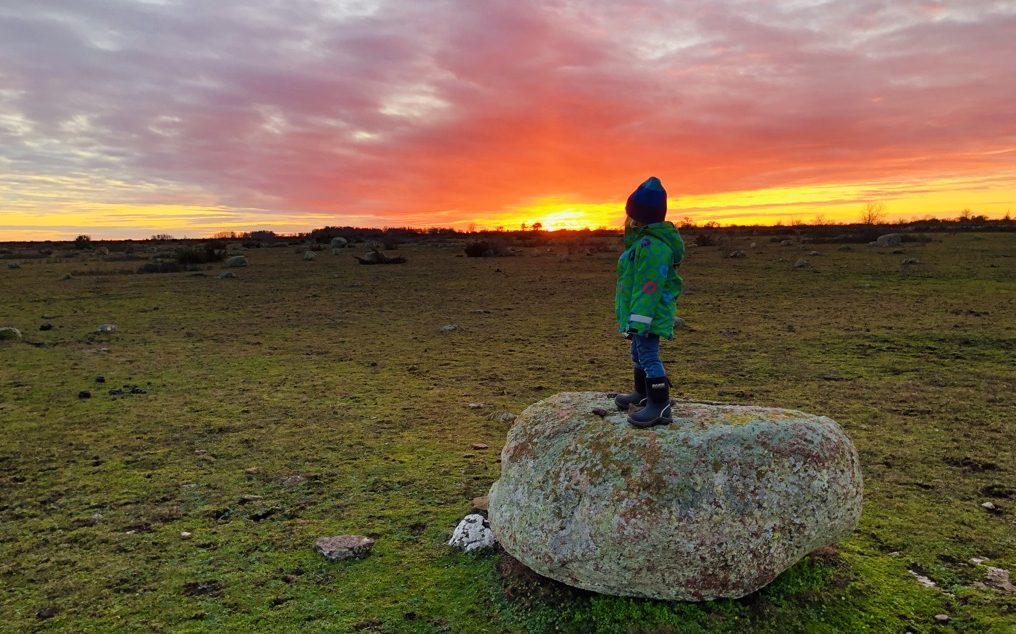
[(201, 253), (481, 249), (83, 242), (704, 240)]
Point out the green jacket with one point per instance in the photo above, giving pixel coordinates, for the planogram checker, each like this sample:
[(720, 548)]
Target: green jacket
[(647, 279)]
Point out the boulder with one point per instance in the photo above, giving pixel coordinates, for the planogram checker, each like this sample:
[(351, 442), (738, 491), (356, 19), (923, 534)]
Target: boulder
[(237, 261), (889, 240), (338, 242), (10, 333), (716, 504)]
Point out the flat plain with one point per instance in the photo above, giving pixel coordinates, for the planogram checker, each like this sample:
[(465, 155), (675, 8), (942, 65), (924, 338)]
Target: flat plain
[(312, 398)]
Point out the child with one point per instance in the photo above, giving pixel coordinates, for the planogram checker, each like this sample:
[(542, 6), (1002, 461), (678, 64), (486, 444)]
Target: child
[(647, 290)]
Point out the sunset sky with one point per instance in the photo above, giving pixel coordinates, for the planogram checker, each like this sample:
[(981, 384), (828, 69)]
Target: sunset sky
[(128, 118)]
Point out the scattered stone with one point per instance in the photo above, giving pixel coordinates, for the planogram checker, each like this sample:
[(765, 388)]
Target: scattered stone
[(47, 612), (481, 504), (104, 350), (679, 322), (245, 499), (897, 251), (942, 618), (801, 263), (84, 394), (106, 328), (472, 533), (921, 579), (736, 254), (845, 247), (752, 245), (501, 416), (186, 534), (814, 253), (294, 480), (237, 261), (251, 470), (479, 446), (786, 243), (344, 547), (998, 578), (910, 261), (475, 406), (706, 514), (9, 333), (309, 255), (227, 275), (889, 240), (338, 242), (449, 328), (66, 276), (989, 506), (375, 256), (45, 327), (100, 379), (977, 561), (599, 411)]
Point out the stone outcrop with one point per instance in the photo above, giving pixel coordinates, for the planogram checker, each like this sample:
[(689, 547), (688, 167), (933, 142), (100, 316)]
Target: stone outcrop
[(716, 504)]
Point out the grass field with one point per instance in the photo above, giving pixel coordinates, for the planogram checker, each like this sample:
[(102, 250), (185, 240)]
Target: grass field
[(311, 398)]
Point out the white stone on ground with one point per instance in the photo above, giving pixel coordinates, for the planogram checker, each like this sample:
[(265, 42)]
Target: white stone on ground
[(472, 533)]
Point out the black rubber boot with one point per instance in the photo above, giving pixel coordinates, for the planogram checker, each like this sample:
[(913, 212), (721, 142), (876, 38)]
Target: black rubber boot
[(633, 398), (656, 410)]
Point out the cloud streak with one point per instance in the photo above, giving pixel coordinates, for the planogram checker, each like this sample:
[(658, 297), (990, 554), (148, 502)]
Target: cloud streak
[(438, 111)]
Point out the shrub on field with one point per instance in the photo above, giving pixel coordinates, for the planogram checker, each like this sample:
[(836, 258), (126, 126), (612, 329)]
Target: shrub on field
[(201, 254), (704, 240)]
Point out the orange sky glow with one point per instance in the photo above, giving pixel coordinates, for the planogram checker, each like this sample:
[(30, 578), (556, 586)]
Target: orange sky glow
[(125, 119)]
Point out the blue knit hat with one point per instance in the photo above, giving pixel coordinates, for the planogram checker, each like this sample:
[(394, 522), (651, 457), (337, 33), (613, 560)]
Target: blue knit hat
[(648, 203)]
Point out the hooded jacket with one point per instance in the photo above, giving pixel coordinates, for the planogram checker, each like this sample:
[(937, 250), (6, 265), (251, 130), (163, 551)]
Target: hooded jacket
[(647, 279)]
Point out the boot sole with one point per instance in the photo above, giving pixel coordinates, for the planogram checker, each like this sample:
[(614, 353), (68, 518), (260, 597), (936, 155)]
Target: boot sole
[(652, 423)]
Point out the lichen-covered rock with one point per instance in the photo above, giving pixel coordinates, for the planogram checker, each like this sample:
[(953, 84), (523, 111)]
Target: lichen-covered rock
[(889, 240), (236, 262), (716, 504), (344, 546)]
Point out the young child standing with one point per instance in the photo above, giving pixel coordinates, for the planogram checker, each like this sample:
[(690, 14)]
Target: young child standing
[(645, 299)]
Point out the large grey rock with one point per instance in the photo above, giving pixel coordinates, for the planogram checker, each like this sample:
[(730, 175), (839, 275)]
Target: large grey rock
[(717, 504), (236, 262), (889, 240), (338, 242)]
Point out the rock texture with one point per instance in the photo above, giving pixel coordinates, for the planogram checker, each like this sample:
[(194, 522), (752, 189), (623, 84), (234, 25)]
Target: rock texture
[(717, 504)]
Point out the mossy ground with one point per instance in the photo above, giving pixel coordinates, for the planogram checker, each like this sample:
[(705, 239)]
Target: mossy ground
[(340, 374)]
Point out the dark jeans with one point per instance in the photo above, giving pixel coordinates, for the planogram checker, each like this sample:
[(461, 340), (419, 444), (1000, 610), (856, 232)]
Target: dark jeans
[(645, 353)]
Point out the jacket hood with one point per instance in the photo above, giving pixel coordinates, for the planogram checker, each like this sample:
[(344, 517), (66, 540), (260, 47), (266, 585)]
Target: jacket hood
[(664, 231)]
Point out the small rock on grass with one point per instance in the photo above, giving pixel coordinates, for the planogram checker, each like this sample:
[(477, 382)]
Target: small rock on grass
[(502, 416), (344, 546), (9, 333), (479, 445), (481, 503), (599, 411), (801, 263), (472, 533), (449, 328), (106, 328), (84, 394), (227, 275), (186, 534), (998, 578), (921, 579), (475, 406), (942, 618)]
